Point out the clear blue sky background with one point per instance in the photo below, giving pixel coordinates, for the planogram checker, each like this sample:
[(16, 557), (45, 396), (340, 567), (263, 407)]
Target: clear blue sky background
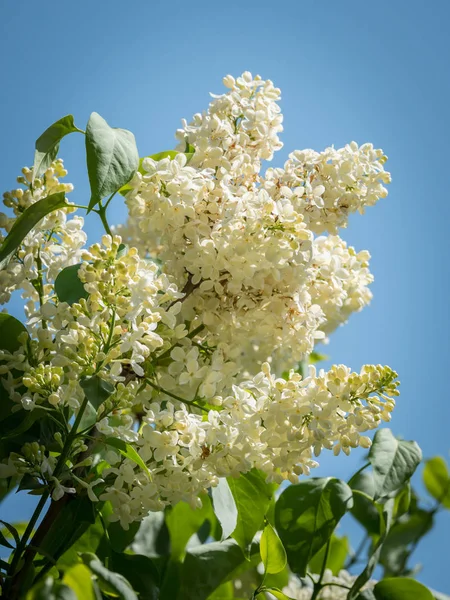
[(348, 70)]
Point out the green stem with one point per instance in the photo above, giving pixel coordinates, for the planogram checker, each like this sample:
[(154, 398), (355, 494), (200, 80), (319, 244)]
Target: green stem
[(26, 535), (102, 215), (318, 585), (59, 466)]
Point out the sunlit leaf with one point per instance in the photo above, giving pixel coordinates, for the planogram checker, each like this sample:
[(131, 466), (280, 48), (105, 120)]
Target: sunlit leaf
[(306, 515), (112, 158), (47, 144), (401, 588), (224, 507), (252, 496), (273, 554), (436, 479), (393, 462), (25, 223)]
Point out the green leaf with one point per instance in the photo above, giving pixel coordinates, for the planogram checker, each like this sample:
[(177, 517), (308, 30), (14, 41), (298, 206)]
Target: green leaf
[(393, 462), (12, 530), (402, 500), (129, 452), (10, 329), (436, 479), (339, 548), (306, 515), (25, 223), (74, 516), (68, 286), (401, 588), (51, 590), (183, 521), (47, 144), (96, 390), (121, 538), (252, 496), (112, 582), (89, 541), (79, 579), (386, 521), (112, 158), (402, 535), (279, 595), (224, 507), (140, 571), (364, 509), (4, 541), (273, 554), (207, 566), (152, 538)]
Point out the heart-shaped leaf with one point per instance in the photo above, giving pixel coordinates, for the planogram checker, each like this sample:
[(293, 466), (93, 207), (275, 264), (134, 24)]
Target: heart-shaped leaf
[(112, 158), (393, 462), (306, 515)]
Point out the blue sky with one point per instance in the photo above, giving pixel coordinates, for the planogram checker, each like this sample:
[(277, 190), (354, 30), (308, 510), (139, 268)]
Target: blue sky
[(348, 70)]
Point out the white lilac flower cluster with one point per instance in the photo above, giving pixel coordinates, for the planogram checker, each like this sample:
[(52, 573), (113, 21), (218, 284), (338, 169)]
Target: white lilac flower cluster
[(223, 288), (54, 244), (243, 242)]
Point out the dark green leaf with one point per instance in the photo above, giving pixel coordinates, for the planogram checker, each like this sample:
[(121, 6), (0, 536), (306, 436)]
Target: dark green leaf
[(273, 554), (306, 515), (121, 538), (90, 541), (47, 144), (129, 452), (112, 158), (12, 530), (393, 462), (437, 480), (171, 583), (401, 588), (112, 582), (4, 541), (139, 571), (68, 286), (208, 566), (10, 329), (224, 507), (72, 518), (405, 531), (386, 522), (25, 223), (337, 555), (96, 390), (364, 509), (252, 496)]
